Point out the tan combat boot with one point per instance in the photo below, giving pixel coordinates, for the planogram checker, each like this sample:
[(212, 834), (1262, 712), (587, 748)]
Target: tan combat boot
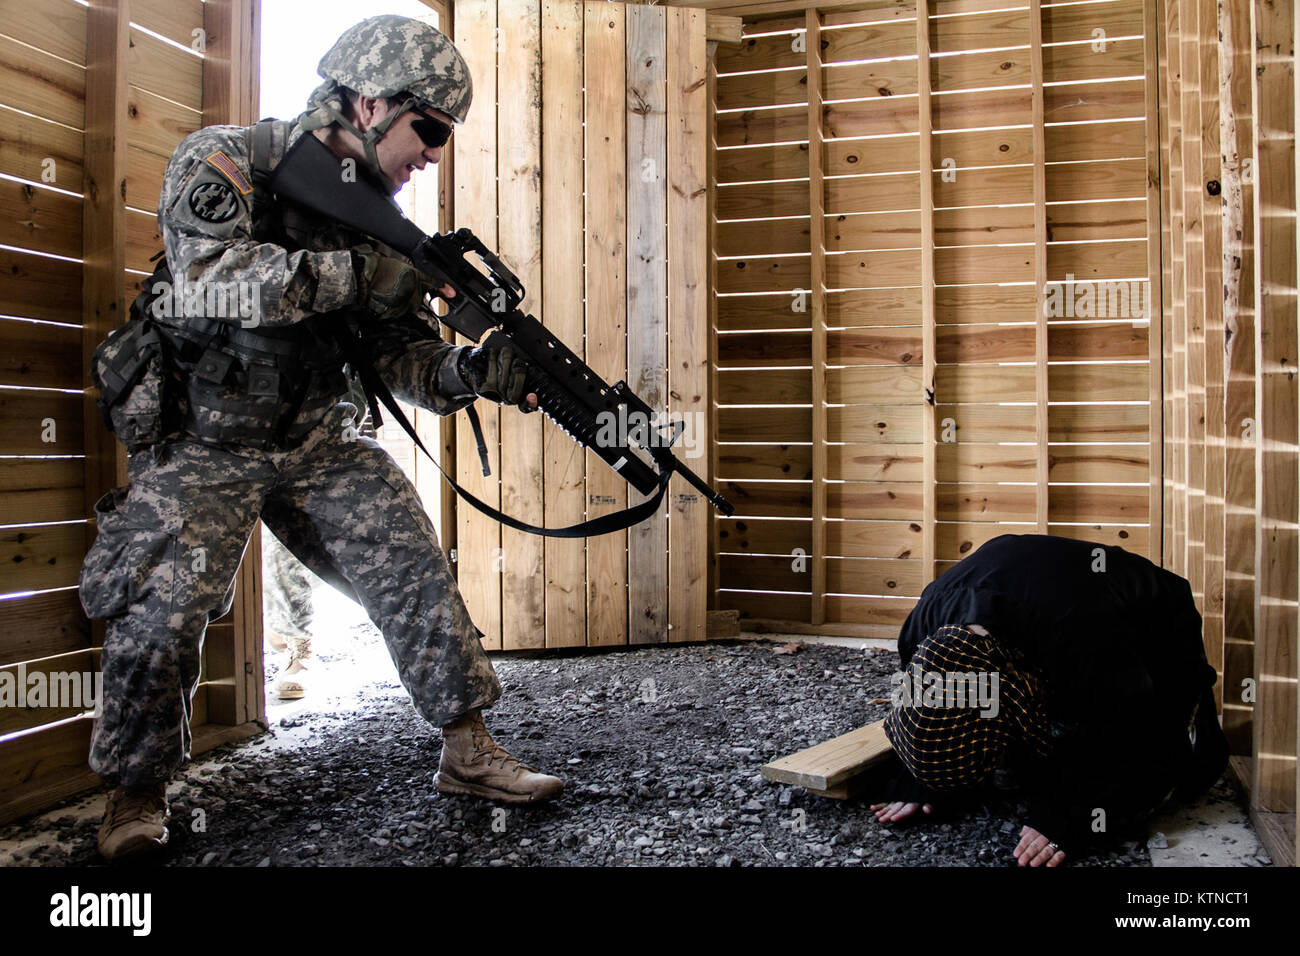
[(475, 764), (291, 683), (135, 822)]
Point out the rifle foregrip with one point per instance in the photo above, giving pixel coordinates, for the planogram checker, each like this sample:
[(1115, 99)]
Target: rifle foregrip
[(576, 421)]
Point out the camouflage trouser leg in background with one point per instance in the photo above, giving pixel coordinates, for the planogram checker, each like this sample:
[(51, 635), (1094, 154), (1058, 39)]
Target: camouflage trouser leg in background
[(286, 595), (164, 561)]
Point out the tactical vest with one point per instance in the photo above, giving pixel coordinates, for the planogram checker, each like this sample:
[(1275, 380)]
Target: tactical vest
[(164, 376)]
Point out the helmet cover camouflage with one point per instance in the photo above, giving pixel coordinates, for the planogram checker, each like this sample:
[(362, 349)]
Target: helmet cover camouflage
[(388, 54)]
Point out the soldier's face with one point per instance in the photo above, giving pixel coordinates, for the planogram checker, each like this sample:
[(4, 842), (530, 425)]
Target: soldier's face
[(400, 149)]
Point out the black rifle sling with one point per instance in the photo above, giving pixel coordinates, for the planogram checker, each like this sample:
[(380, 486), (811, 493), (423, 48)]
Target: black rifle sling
[(359, 358)]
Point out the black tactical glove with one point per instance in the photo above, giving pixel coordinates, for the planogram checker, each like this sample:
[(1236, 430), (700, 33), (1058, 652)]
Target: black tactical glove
[(497, 372), (388, 287)]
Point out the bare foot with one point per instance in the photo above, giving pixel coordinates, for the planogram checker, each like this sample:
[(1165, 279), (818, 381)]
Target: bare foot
[(893, 812)]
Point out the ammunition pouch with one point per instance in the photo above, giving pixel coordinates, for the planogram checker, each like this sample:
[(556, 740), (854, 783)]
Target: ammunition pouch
[(129, 369), (243, 387)]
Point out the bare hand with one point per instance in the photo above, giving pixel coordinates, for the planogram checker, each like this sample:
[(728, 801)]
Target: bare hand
[(1034, 849), (893, 812), (448, 292)]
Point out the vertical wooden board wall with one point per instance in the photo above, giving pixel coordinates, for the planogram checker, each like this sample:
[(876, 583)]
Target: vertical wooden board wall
[(1042, 408), (519, 116), (763, 321), (48, 762), (605, 53), (562, 310), (1176, 372), (1236, 83), (1156, 20), (1277, 476), (1049, 420), (1194, 299), (1157, 272), (929, 331), (593, 201), (817, 310), (229, 95), (647, 297), (688, 289), (103, 104), (479, 557), (1210, 196)]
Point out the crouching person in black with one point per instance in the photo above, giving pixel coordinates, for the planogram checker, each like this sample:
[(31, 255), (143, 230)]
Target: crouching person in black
[(1078, 668)]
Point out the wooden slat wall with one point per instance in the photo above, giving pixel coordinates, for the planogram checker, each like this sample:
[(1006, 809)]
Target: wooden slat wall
[(480, 560), (1040, 421), (1277, 484), (1236, 83), (1232, 495), (41, 622), (615, 261), (92, 106)]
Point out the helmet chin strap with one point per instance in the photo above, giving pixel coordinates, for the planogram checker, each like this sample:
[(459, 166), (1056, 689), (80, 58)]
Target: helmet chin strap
[(371, 136)]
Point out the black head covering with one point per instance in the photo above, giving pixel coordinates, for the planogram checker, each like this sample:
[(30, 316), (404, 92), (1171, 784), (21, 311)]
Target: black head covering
[(948, 745)]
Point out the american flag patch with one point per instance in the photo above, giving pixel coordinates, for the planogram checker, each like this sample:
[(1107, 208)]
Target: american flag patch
[(226, 166)]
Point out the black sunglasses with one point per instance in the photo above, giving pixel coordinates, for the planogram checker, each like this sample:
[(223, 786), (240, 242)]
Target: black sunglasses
[(432, 131)]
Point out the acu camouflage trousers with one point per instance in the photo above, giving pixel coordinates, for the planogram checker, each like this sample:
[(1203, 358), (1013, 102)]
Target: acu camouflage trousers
[(170, 543), (287, 607)]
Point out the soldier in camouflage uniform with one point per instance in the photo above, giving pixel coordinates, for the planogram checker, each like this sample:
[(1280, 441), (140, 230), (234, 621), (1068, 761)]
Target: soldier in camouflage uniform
[(288, 610), (255, 427)]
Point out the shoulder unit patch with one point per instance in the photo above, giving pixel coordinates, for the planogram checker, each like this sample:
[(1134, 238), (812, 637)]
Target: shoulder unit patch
[(213, 202)]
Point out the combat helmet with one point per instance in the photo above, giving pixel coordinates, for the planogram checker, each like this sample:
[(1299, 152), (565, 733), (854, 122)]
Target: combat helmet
[(384, 56)]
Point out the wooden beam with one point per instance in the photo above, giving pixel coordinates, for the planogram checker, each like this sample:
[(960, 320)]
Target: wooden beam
[(647, 297), (478, 538), (817, 307), (1156, 256), (722, 29), (1212, 372), (1277, 475), (1041, 354), (605, 56), (103, 225), (230, 96), (519, 198), (1176, 373), (563, 215), (929, 341), (688, 347)]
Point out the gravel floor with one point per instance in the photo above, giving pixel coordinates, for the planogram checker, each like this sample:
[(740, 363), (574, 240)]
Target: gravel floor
[(660, 749)]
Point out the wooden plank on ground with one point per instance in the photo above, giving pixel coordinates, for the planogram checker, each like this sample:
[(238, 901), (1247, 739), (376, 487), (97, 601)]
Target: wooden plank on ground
[(833, 762)]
